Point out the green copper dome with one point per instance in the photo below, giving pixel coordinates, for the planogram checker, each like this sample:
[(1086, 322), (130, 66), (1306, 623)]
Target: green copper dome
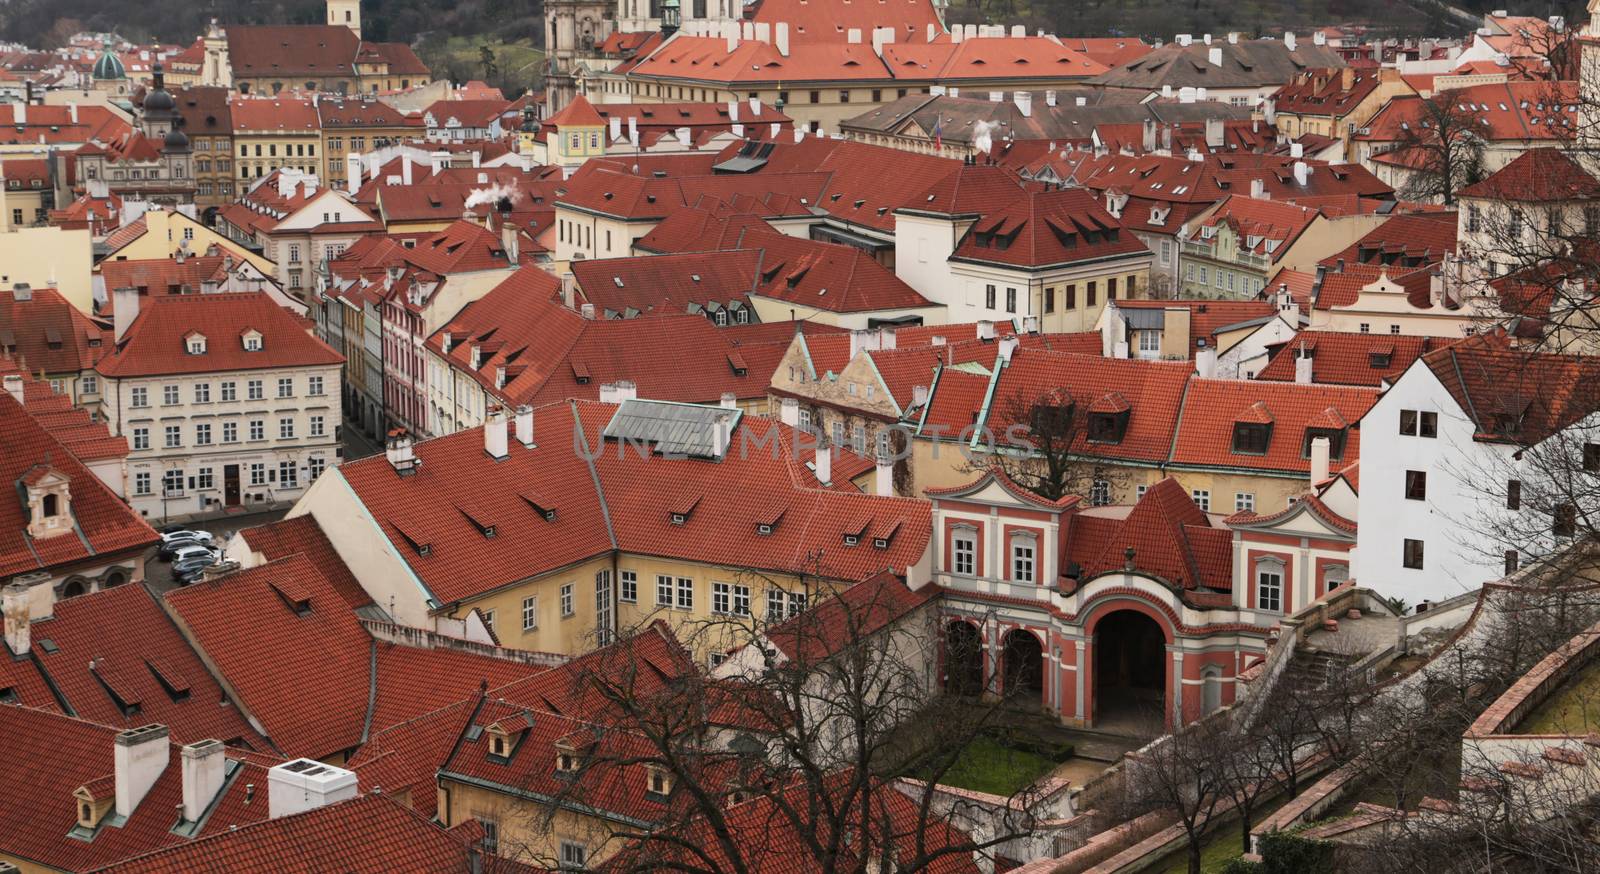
[(109, 66)]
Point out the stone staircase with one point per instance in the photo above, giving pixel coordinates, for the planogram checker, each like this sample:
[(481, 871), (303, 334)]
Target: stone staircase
[(1313, 669)]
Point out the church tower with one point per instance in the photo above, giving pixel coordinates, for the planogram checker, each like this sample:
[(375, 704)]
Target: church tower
[(347, 13)]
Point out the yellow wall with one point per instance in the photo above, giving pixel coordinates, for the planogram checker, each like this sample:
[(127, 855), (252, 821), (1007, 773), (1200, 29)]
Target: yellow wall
[(167, 232), (255, 154), (38, 255), (527, 831)]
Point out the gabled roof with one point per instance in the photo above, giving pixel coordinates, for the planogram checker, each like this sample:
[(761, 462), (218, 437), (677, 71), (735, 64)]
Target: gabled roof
[(1506, 111), (154, 344), (1245, 64), (1540, 176), (1265, 228), (1343, 358), (1513, 395), (47, 334), (829, 23), (1170, 537), (1212, 407), (118, 660), (826, 276), (302, 535)]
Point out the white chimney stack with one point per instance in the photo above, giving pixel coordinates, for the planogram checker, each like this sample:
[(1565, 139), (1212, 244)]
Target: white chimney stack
[(919, 395), (398, 449), (204, 766), (124, 309), (72, 112), (1024, 101), (14, 387), (721, 435), (304, 784), (985, 330), (789, 412), (1049, 98), (525, 426), (780, 37), (1320, 450), (884, 475), (730, 401), (1258, 189), (1214, 55), (824, 464), (1008, 345), (1205, 362), (140, 756), (1297, 150), (14, 604), (1302, 172), (405, 169), (1302, 369), (494, 433), (1288, 40), (853, 36), (352, 172)]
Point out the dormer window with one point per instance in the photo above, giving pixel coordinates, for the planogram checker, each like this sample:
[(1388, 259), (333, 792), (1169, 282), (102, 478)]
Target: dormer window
[(1380, 360), (195, 344), (1108, 427), (252, 341), (499, 745), (679, 518), (1335, 441), (1251, 438), (658, 782), (763, 529), (851, 539)]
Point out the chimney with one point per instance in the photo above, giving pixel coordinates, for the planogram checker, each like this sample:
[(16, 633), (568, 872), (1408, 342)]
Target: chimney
[(985, 330), (1024, 101), (1213, 133), (1301, 173), (22, 292), (824, 463), (1008, 345), (730, 401), (398, 449), (303, 784), (755, 108), (494, 433), (72, 112), (352, 172), (1302, 370), (1205, 362), (1319, 459), (1297, 151), (1049, 98), (569, 291), (853, 36), (1214, 55), (140, 755), (1288, 40), (124, 309), (1258, 189), (884, 479), (780, 37), (733, 112), (683, 136), (405, 169), (625, 390), (525, 426), (721, 435), (587, 310), (1321, 39), (1148, 140), (789, 412), (204, 766), (14, 387), (1030, 324), (14, 604), (19, 113), (919, 395), (615, 126)]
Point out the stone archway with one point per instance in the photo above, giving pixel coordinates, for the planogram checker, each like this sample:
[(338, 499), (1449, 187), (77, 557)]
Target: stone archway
[(1022, 666), (963, 658), (1130, 672)]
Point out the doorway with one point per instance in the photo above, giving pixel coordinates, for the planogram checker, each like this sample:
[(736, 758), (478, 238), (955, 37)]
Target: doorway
[(1130, 673), (230, 485), (1024, 666)]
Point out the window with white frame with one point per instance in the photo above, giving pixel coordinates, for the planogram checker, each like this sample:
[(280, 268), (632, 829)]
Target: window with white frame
[(964, 552), (202, 434), (629, 590), (1202, 499), (230, 390), (1138, 493), (139, 397), (567, 606), (172, 482), (1023, 553), (318, 426), (530, 613), (1269, 585), (315, 465), (663, 590), (258, 429), (202, 392), (314, 386), (205, 479), (285, 428), (169, 395), (255, 390), (1100, 493), (286, 387), (1243, 501), (230, 432), (141, 483), (721, 598), (89, 385), (287, 475), (574, 856), (258, 474), (685, 593), (174, 436), (141, 438)]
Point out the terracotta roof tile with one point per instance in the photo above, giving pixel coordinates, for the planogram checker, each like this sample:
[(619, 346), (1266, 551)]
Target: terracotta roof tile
[(154, 344), (1342, 358), (1212, 407)]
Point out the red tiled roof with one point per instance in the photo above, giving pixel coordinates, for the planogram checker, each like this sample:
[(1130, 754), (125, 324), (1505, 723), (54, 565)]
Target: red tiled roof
[(1044, 228), (165, 275), (105, 528), (1514, 395), (829, 23), (699, 230), (1402, 243), (47, 334), (971, 190), (52, 756), (1325, 92), (468, 113), (335, 113), (580, 112), (1524, 111), (284, 113), (667, 283), (413, 751), (292, 50), (1205, 434), (1267, 228), (826, 276), (1342, 358), (155, 343), (119, 661), (302, 535), (1170, 537), (53, 125), (854, 614), (391, 837), (637, 493), (707, 59), (1540, 175), (988, 58)]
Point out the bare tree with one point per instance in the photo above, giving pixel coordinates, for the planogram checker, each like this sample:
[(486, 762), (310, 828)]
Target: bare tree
[(792, 745), (1443, 148), (1186, 774), (1049, 447)]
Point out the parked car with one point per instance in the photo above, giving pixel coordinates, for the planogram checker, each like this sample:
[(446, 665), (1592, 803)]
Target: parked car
[(188, 570), (191, 551), (173, 541)]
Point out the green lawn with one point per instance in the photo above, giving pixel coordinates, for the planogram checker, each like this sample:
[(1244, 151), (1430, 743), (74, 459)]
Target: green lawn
[(518, 60), (1219, 846), (987, 765), (1573, 709)]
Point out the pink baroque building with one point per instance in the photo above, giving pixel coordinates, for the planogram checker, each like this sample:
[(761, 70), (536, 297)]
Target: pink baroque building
[(1132, 617)]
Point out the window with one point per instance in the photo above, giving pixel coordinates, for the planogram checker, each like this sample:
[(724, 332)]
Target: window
[(1564, 520), (1474, 218), (630, 588), (663, 590), (258, 429), (314, 467), (205, 479), (530, 613), (574, 857), (1202, 499), (1011, 300), (1365, 327), (318, 426), (286, 387), (172, 482), (314, 386), (287, 475), (202, 434), (1244, 501), (1269, 586), (285, 429), (174, 436), (567, 608), (202, 392), (1591, 457), (169, 395), (197, 345), (141, 438), (685, 593), (1511, 562), (844, 96), (1022, 559), (255, 390), (88, 385), (1514, 495), (1415, 423), (230, 391), (1416, 485), (1251, 437), (1411, 553), (988, 296), (139, 397), (721, 598), (1089, 294), (141, 483), (1099, 493), (1394, 329), (230, 432), (1069, 301), (964, 553)]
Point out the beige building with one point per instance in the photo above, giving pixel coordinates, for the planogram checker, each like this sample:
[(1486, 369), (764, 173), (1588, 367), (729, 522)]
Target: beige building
[(247, 416)]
